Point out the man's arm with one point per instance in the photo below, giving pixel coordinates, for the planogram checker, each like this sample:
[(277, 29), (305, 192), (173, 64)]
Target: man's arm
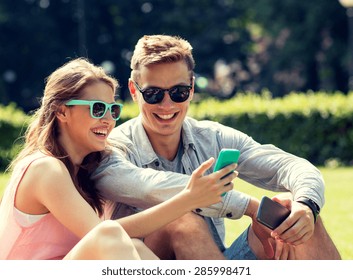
[(267, 166), (277, 170), (119, 180)]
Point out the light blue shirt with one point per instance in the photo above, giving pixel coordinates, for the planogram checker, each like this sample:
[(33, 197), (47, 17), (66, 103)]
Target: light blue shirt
[(131, 188)]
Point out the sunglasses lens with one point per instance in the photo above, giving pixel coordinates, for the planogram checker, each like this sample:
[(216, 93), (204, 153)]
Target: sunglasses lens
[(115, 111), (98, 110), (179, 93), (153, 95)]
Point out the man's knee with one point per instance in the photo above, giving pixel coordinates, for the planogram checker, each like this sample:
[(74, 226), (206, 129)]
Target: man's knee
[(177, 236), (320, 246), (188, 225)]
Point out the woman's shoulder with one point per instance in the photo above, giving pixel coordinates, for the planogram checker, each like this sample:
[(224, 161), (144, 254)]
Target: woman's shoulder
[(40, 180), (43, 166)]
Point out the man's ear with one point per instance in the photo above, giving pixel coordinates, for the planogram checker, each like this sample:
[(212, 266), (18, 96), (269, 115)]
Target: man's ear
[(62, 113), (192, 91), (133, 91)]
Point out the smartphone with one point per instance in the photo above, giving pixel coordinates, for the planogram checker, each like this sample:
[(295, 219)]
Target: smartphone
[(226, 157), (271, 213)]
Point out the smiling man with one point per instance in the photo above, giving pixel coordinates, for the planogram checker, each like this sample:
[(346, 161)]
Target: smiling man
[(159, 150)]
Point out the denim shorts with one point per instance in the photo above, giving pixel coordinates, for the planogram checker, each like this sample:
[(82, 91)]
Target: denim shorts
[(240, 249)]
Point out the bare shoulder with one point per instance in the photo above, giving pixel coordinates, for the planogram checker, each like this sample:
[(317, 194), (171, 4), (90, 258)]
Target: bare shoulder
[(43, 179), (47, 171), (48, 167)]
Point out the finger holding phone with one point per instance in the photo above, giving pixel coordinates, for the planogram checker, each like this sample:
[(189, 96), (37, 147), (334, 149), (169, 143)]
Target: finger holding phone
[(272, 214), (284, 251), (299, 226), (207, 189)]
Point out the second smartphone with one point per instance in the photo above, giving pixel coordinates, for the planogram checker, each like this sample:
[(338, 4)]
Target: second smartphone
[(271, 213)]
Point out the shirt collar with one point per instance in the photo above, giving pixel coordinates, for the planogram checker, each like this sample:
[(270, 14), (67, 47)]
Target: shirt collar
[(145, 149)]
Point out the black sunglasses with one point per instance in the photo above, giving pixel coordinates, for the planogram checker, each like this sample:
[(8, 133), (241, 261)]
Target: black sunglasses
[(154, 95), (99, 108)]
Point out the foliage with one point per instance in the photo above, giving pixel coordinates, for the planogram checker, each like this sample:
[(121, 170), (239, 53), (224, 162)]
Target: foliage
[(238, 45), (12, 126), (305, 44), (316, 126)]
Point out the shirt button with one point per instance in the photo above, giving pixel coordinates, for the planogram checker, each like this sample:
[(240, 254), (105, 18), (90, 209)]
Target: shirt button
[(229, 215), (156, 163), (198, 210)]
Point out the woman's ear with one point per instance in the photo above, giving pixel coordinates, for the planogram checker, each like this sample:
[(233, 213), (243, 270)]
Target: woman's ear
[(62, 113), (132, 90)]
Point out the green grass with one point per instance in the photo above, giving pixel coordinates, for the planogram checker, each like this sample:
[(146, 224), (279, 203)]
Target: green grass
[(3, 181), (337, 213)]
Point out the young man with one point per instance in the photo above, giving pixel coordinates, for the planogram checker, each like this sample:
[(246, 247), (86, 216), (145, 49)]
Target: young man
[(163, 138)]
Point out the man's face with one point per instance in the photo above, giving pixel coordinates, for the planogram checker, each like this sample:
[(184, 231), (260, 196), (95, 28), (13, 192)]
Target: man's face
[(163, 119)]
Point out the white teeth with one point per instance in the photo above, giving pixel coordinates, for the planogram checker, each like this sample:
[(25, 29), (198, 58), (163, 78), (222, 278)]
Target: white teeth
[(100, 131), (166, 117)]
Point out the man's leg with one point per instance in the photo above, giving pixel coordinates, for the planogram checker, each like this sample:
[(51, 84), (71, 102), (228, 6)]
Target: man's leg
[(319, 247), (187, 238)]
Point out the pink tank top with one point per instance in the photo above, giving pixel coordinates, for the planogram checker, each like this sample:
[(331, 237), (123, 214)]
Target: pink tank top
[(45, 239)]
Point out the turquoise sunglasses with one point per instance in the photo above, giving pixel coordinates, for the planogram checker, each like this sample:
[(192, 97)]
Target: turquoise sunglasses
[(98, 109)]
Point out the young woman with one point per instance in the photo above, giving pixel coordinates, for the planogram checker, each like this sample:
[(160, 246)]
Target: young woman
[(51, 209)]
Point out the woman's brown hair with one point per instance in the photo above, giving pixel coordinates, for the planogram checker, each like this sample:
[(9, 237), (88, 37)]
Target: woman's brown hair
[(64, 84)]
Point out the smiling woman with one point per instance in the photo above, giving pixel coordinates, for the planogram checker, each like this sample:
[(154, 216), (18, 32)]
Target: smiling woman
[(68, 139)]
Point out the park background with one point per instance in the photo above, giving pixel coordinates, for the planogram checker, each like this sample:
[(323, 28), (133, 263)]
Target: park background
[(278, 70)]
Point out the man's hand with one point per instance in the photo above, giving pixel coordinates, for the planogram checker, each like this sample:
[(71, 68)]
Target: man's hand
[(274, 248), (284, 251), (264, 235), (299, 226)]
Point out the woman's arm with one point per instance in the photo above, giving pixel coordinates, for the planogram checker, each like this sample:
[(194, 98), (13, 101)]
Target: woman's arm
[(54, 191), (47, 187), (201, 191)]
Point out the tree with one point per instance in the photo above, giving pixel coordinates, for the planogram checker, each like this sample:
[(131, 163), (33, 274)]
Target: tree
[(306, 43), (239, 45)]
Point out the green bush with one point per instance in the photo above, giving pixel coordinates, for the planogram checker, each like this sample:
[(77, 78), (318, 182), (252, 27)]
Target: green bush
[(13, 123), (316, 126)]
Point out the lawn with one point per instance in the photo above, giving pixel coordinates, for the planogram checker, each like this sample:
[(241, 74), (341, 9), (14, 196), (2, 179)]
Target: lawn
[(337, 213)]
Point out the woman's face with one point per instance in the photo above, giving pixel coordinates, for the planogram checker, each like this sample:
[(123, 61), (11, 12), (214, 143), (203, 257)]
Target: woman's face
[(81, 133)]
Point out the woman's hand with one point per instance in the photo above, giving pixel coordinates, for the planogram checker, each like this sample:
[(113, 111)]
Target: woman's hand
[(206, 190)]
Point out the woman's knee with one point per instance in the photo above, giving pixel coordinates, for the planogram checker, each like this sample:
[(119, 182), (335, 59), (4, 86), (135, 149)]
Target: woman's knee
[(144, 252), (111, 238)]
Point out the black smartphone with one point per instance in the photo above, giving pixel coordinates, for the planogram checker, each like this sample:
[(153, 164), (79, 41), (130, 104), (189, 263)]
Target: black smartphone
[(271, 213)]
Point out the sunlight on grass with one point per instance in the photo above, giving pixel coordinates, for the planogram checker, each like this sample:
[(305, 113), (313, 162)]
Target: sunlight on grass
[(4, 178), (337, 212)]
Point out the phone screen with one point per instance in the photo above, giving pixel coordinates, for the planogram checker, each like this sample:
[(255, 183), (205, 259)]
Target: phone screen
[(271, 213)]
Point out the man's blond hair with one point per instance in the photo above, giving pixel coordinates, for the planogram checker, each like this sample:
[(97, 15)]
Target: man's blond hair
[(157, 49)]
